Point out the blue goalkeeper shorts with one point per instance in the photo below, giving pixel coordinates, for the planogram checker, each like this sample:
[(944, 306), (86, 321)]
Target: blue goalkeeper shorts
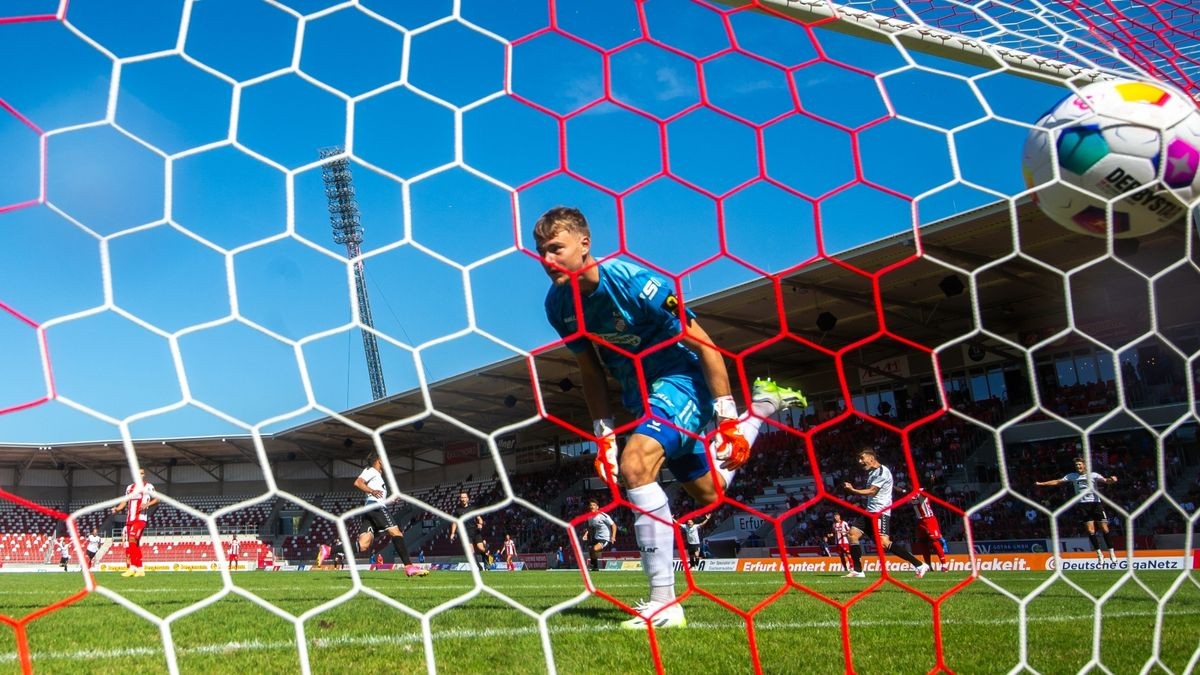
[(685, 402)]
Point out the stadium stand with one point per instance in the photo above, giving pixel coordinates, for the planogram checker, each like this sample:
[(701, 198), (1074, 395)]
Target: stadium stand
[(173, 549), (946, 452), (25, 535), (24, 547), (168, 520)]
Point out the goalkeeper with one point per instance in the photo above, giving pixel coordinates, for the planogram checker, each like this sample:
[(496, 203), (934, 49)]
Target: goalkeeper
[(630, 313)]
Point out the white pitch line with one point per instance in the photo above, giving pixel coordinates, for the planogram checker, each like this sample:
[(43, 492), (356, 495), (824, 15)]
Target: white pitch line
[(603, 584), (415, 638)]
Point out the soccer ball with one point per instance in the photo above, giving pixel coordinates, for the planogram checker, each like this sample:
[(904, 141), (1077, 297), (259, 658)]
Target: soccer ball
[(1134, 144)]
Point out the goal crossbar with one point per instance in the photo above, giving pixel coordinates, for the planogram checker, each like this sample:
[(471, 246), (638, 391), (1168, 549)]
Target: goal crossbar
[(927, 39)]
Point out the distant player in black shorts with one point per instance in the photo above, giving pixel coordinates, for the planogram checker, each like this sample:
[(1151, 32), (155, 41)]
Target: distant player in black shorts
[(598, 535), (1089, 509), (379, 518), (93, 546), (879, 497), (474, 531), (691, 538)]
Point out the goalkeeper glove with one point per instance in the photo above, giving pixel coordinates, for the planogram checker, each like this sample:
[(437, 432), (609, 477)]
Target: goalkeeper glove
[(606, 450), (732, 449)]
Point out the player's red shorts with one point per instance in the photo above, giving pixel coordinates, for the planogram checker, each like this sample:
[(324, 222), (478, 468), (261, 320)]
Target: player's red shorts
[(844, 548), (930, 528), (134, 529)]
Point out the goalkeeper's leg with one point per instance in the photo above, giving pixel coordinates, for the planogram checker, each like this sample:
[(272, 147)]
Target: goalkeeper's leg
[(640, 463), (767, 399)]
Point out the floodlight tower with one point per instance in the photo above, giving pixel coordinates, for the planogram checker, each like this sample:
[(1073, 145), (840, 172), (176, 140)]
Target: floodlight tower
[(347, 229)]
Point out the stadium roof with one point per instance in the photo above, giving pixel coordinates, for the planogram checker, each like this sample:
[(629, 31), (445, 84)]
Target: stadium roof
[(1021, 296)]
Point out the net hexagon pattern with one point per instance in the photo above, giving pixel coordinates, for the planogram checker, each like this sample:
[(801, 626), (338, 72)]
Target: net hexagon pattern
[(591, 125)]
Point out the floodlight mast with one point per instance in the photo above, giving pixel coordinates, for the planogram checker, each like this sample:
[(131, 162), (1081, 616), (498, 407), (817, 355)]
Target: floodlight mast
[(346, 222)]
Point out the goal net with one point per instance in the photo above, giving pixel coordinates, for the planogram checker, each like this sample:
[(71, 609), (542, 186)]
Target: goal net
[(834, 190)]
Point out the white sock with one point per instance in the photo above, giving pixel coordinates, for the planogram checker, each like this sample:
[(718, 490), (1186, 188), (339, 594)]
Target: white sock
[(655, 538), (663, 594), (725, 474), (749, 425)]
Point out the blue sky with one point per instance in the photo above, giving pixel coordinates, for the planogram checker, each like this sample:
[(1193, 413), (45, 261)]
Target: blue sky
[(180, 183)]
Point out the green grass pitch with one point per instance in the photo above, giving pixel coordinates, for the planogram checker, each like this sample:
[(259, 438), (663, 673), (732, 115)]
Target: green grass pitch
[(891, 630)]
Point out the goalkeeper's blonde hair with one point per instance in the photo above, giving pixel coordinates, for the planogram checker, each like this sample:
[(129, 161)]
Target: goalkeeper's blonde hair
[(558, 219)]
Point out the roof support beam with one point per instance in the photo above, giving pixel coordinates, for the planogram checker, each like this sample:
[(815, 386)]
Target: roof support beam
[(248, 454), (322, 464), (110, 474), (196, 460)]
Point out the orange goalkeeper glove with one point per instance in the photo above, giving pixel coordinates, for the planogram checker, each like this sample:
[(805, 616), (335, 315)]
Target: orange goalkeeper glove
[(732, 449), (606, 450)]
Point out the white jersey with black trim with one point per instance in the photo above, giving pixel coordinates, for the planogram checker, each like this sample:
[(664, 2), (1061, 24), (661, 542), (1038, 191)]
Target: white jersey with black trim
[(1085, 484), (374, 480), (880, 477)]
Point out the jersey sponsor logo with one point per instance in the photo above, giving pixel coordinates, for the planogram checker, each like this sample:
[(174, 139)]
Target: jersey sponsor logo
[(670, 303), (620, 339), (650, 289)]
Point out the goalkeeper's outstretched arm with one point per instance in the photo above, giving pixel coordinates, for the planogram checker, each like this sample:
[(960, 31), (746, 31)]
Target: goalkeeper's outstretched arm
[(595, 383), (712, 361)]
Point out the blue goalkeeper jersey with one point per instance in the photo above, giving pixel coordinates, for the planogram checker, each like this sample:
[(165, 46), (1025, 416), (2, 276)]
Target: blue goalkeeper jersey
[(634, 310)]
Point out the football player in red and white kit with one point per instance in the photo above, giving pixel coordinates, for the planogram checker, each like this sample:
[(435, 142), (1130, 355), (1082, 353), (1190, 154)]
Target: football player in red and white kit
[(841, 539), (234, 554), (510, 552), (139, 498), (929, 533)]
